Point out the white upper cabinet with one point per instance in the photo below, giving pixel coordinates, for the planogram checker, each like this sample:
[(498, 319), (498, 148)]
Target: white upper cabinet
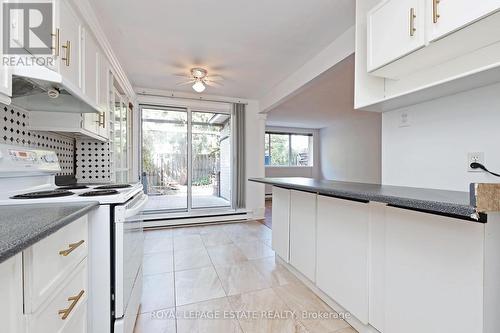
[(103, 94), (5, 75), (395, 29), (91, 70), (451, 15), (70, 30)]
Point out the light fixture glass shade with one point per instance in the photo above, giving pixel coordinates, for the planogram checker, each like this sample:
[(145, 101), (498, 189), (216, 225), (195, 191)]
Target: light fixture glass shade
[(198, 86)]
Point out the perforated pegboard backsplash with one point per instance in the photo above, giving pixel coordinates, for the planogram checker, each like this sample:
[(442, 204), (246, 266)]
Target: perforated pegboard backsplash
[(92, 161), (14, 130)]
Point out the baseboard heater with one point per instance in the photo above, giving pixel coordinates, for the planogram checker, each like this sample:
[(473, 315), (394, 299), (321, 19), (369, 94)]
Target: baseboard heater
[(164, 220)]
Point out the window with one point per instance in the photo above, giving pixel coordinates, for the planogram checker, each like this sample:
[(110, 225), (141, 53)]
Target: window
[(288, 149)]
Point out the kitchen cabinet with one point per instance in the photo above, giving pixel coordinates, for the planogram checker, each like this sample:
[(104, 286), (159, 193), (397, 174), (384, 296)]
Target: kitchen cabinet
[(91, 61), (342, 253), (103, 94), (5, 74), (432, 276), (70, 36), (303, 233), (281, 223), (451, 15), (11, 289), (395, 29), (70, 124)]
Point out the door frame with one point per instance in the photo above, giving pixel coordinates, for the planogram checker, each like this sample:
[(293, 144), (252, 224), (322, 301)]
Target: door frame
[(189, 108)]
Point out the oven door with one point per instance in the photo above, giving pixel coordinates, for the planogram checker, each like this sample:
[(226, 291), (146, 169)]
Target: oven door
[(129, 248)]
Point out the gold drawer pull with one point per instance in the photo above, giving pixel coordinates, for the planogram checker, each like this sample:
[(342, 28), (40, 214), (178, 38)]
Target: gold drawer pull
[(68, 53), (57, 42), (74, 300), (71, 248)]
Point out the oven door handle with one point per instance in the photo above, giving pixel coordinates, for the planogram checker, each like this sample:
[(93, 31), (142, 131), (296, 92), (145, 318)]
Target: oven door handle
[(137, 208)]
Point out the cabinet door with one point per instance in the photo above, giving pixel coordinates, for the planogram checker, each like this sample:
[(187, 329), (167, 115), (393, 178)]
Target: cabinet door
[(103, 94), (70, 44), (90, 61), (395, 29), (11, 289), (450, 15), (303, 233), (5, 76), (434, 274), (342, 264), (91, 122), (281, 223)]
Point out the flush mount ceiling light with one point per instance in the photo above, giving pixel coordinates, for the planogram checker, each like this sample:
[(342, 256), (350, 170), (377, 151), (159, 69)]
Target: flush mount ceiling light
[(199, 79)]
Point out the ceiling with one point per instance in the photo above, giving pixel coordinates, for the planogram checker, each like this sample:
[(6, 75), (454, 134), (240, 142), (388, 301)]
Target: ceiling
[(253, 44), (321, 102)]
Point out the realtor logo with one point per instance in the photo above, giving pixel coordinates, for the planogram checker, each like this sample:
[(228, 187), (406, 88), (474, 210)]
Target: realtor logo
[(27, 28)]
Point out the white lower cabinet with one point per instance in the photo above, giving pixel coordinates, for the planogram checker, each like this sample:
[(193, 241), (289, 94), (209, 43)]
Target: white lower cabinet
[(342, 253), (303, 233), (428, 274), (281, 223), (11, 295), (45, 288)]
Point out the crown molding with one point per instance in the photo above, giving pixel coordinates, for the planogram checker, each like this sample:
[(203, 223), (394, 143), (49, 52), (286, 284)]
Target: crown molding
[(87, 12)]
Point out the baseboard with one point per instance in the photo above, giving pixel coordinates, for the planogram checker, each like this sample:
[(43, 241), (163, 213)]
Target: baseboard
[(353, 321), (189, 220)]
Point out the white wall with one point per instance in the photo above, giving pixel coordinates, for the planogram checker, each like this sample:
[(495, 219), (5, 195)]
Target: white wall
[(350, 149), (309, 172), (432, 151), (255, 125)]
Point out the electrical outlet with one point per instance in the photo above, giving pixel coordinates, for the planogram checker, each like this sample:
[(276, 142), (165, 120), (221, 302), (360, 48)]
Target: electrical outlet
[(477, 157)]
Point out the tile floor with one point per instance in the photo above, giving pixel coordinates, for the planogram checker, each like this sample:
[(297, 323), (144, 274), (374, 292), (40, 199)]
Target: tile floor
[(224, 278)]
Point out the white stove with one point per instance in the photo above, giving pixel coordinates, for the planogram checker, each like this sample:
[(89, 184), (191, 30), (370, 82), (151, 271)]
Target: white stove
[(27, 176)]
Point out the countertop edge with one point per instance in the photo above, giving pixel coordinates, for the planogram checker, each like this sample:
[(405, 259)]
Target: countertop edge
[(464, 212), (24, 243)]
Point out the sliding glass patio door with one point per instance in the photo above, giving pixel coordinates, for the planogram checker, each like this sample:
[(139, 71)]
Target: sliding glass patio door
[(187, 160)]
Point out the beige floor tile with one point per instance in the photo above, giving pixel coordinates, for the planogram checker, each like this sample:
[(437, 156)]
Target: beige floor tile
[(156, 263), (186, 231), (191, 258), (187, 242), (158, 233), (346, 330), (158, 244), (274, 272), (158, 322), (207, 317), (300, 299), (158, 292), (268, 242), (215, 238), (255, 250), (267, 313), (241, 278), (226, 255), (197, 285), (211, 228)]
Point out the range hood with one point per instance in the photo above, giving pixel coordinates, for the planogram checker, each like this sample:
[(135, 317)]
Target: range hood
[(37, 88)]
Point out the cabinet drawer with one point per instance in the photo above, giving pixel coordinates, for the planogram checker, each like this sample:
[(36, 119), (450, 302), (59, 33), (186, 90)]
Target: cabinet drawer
[(49, 262), (72, 299)]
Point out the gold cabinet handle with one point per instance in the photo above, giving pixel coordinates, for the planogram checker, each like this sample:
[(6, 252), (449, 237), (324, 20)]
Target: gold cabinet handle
[(413, 16), (56, 43), (71, 248), (74, 300), (67, 58), (435, 10), (102, 119)]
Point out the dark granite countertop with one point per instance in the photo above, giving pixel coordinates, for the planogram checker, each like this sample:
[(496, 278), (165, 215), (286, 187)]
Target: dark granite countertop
[(451, 203), (23, 225)]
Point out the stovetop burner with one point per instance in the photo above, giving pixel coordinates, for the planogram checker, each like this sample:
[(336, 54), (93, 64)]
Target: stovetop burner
[(43, 194), (112, 186), (98, 193), (72, 187)]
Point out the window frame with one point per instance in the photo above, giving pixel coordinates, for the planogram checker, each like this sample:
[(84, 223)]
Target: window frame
[(289, 134)]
